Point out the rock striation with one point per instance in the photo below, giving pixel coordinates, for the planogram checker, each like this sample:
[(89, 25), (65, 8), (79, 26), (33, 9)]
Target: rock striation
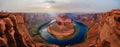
[(62, 27), (105, 32), (13, 32)]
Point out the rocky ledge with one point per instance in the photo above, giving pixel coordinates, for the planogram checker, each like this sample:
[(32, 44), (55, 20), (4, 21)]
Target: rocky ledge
[(105, 32), (13, 32)]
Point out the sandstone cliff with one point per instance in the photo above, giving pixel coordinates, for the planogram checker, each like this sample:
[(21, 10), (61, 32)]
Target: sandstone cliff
[(13, 32), (105, 32)]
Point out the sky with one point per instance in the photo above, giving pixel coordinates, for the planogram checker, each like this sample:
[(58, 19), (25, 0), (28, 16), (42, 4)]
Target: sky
[(59, 5)]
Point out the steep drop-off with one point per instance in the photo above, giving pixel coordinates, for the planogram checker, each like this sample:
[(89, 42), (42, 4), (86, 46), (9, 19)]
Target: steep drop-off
[(105, 32), (13, 32)]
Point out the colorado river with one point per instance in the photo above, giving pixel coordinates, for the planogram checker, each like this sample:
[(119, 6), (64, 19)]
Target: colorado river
[(79, 37)]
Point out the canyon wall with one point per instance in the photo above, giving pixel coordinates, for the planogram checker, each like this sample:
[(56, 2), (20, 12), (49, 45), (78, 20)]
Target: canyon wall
[(105, 32), (13, 32)]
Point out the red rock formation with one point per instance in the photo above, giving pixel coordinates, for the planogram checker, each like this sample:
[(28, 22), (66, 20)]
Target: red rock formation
[(110, 30), (62, 27), (13, 32), (105, 32)]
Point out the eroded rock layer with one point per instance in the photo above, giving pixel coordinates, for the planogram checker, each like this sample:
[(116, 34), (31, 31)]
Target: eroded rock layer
[(105, 32), (62, 27), (13, 32)]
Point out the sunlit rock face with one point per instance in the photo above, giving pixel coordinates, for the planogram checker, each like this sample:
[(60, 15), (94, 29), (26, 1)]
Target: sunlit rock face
[(62, 27), (13, 32), (116, 15), (110, 30), (105, 32)]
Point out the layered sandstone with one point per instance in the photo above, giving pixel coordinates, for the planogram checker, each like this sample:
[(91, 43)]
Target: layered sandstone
[(13, 32), (105, 32), (62, 27), (109, 34)]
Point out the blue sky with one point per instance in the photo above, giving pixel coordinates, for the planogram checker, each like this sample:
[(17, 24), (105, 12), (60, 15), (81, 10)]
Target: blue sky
[(59, 5)]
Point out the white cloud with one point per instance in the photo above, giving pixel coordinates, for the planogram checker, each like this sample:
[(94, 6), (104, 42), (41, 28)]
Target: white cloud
[(58, 5)]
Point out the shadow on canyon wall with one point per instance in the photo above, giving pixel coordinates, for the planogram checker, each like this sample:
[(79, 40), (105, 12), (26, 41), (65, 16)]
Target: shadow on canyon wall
[(17, 29)]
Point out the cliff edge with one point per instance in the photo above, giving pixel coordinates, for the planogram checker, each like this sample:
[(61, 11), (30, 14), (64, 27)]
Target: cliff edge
[(13, 32)]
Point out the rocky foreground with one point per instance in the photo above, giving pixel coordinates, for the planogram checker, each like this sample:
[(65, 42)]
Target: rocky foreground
[(13, 32), (103, 31)]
